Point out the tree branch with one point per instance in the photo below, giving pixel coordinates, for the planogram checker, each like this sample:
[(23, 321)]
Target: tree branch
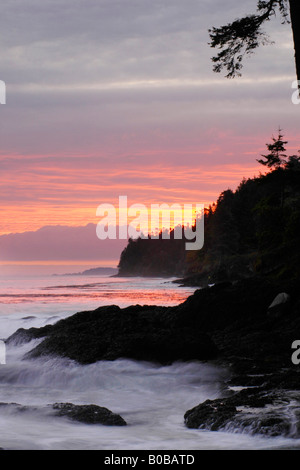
[(243, 36)]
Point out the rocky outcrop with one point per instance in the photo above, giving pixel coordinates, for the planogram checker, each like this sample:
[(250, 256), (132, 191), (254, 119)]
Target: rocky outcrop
[(229, 321), (89, 414), (254, 411), (212, 414), (108, 333), (254, 338)]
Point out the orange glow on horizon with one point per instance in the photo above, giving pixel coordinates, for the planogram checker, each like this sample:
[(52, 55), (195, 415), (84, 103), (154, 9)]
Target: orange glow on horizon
[(57, 196)]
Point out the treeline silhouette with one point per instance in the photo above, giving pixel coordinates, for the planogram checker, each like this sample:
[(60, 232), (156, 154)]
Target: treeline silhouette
[(154, 257), (252, 231)]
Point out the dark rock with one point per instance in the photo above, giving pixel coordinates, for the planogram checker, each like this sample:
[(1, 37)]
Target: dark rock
[(89, 414), (254, 338), (212, 415), (23, 335), (228, 320), (239, 412), (16, 406), (108, 333), (248, 381)]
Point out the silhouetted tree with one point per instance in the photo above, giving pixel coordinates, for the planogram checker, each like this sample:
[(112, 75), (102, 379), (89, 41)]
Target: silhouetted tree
[(293, 163), (277, 155), (243, 36)]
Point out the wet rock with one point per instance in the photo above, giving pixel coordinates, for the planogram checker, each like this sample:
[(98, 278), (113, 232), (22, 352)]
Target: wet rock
[(271, 424), (212, 415), (23, 335), (254, 411), (229, 321), (14, 405), (108, 333), (89, 414)]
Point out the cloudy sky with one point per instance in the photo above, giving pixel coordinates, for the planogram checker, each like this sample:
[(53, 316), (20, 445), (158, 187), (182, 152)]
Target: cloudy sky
[(118, 97)]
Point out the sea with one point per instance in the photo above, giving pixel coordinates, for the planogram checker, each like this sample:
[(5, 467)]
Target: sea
[(151, 398)]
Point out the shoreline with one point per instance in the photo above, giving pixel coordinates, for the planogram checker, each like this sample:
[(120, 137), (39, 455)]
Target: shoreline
[(233, 325)]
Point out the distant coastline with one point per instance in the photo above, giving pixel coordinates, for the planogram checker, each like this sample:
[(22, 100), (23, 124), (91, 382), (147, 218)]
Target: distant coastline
[(93, 272)]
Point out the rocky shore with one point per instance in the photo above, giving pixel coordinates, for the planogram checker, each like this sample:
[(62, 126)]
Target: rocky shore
[(88, 414), (248, 326), (108, 333)]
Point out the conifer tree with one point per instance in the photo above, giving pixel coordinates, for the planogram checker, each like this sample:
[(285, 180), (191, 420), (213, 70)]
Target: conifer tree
[(276, 156)]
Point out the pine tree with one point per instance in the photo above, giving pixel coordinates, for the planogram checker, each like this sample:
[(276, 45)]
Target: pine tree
[(276, 156)]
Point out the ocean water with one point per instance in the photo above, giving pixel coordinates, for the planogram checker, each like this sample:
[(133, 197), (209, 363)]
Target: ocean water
[(152, 399)]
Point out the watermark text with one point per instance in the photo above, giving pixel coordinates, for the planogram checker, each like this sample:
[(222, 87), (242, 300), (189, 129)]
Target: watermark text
[(296, 94), (2, 92), (187, 221), (296, 354), (2, 352)]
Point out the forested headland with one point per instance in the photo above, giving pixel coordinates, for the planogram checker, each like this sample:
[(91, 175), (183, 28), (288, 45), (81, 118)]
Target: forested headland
[(253, 230)]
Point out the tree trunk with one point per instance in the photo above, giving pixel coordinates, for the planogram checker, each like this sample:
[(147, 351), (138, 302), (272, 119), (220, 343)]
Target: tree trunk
[(295, 20)]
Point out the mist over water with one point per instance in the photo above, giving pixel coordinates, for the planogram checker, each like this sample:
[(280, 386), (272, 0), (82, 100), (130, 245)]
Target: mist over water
[(152, 399)]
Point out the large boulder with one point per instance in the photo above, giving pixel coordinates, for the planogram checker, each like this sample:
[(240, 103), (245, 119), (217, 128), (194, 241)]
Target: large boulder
[(211, 414), (89, 414)]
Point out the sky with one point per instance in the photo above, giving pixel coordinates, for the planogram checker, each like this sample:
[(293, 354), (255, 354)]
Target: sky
[(118, 97)]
